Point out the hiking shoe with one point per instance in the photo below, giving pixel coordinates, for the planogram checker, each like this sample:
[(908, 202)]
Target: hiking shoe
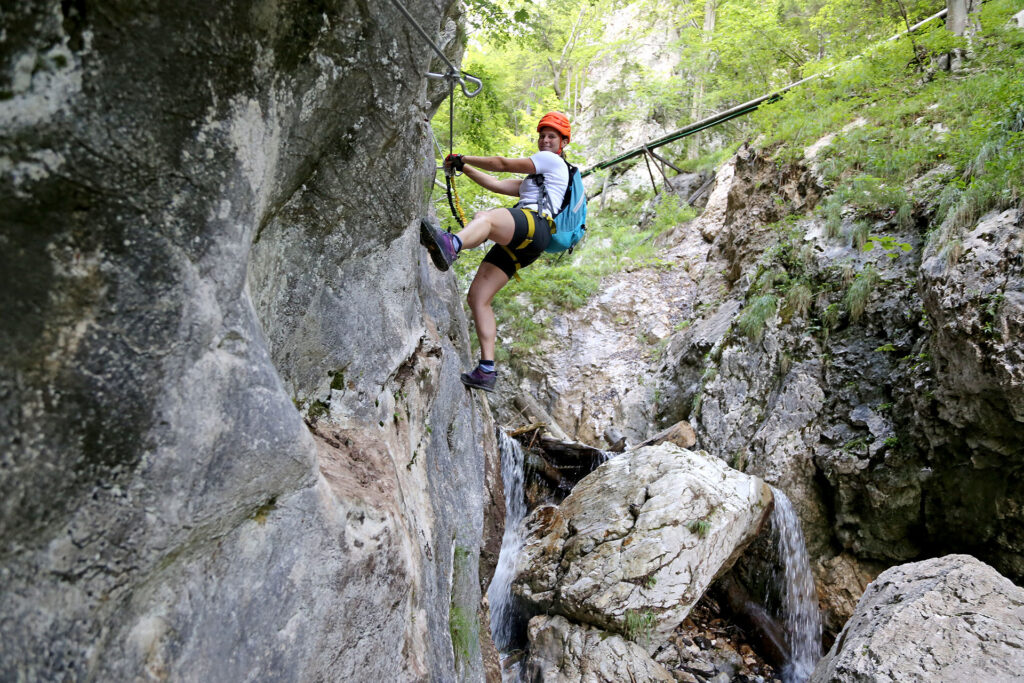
[(440, 245), (480, 379)]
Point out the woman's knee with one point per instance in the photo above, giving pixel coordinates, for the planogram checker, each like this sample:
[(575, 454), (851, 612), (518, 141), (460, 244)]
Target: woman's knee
[(475, 297)]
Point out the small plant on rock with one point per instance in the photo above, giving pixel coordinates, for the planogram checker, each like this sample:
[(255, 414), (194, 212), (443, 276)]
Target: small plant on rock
[(699, 527), (464, 630), (857, 296), (755, 315), (798, 300), (639, 625)]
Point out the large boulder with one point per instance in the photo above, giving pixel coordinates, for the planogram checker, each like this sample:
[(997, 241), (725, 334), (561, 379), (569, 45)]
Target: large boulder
[(562, 652), (208, 219), (951, 618), (639, 540)]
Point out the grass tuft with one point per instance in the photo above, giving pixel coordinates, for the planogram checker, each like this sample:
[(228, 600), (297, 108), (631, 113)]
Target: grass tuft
[(798, 300), (465, 632), (833, 217), (639, 626), (754, 317), (699, 527), (857, 296)]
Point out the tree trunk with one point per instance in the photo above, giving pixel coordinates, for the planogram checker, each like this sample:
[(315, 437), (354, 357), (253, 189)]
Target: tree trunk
[(962, 17), (556, 75), (962, 20), (697, 101)]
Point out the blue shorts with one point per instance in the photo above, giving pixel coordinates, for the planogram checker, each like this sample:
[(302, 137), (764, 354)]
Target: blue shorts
[(531, 237)]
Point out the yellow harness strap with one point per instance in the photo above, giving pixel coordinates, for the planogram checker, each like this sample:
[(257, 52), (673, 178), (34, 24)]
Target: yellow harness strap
[(531, 226)]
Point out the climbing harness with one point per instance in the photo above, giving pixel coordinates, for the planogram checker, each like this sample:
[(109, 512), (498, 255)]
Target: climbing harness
[(454, 77), (530, 230)]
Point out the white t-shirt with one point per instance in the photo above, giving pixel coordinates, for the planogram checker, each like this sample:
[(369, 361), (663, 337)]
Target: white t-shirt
[(556, 180)]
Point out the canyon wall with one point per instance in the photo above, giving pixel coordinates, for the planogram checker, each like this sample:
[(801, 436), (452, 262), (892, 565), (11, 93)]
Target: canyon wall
[(234, 443)]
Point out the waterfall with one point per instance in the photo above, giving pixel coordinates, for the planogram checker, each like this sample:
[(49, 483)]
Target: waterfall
[(799, 598), (504, 616)]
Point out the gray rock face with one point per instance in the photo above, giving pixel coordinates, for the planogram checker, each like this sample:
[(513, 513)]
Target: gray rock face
[(561, 652), (975, 306), (639, 540), (208, 217), (892, 433), (952, 618)]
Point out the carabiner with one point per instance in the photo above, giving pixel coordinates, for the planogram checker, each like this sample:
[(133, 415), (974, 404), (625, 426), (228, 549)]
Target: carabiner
[(479, 84)]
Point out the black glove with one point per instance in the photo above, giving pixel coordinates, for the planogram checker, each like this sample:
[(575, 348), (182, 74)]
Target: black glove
[(455, 161)]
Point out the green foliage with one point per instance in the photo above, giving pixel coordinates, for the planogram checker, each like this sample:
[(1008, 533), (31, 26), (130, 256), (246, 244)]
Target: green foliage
[(639, 625), (671, 213), (317, 409), (753, 318), (857, 296), (889, 244), (699, 527), (859, 234), (911, 125), (832, 209), (993, 304), (830, 316), (798, 301), (337, 380), (464, 628)]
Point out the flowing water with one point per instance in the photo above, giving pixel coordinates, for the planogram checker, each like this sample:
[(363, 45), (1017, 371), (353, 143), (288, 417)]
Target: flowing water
[(799, 598), (505, 618)]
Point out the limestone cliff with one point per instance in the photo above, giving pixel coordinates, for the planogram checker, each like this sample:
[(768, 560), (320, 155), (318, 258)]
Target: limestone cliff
[(894, 425), (207, 220)]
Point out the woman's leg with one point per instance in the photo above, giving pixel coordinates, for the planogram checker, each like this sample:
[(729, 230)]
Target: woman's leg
[(496, 225), (488, 280)]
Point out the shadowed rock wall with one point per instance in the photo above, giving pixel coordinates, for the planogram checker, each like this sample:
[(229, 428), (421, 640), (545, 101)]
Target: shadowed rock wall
[(165, 511)]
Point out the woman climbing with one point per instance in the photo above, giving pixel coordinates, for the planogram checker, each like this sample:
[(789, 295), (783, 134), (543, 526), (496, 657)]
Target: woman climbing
[(520, 234)]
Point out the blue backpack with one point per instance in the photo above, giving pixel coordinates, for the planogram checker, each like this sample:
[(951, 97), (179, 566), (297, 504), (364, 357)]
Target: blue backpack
[(571, 219)]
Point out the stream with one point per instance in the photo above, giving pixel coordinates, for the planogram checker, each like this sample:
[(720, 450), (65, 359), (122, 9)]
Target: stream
[(800, 613), (792, 576), (505, 620)]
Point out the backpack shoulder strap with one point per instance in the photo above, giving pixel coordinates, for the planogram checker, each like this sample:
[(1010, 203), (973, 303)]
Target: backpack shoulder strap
[(566, 198), (545, 195)]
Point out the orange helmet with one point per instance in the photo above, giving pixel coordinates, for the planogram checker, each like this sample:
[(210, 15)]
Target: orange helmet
[(558, 121)]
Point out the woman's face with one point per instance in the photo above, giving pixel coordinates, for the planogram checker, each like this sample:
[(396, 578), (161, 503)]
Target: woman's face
[(549, 140)]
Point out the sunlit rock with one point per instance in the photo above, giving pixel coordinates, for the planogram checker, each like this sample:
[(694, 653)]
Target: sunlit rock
[(638, 541), (562, 652), (951, 618)]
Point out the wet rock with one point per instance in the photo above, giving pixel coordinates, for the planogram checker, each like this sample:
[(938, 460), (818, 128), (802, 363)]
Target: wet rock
[(951, 618), (639, 540), (562, 652)]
